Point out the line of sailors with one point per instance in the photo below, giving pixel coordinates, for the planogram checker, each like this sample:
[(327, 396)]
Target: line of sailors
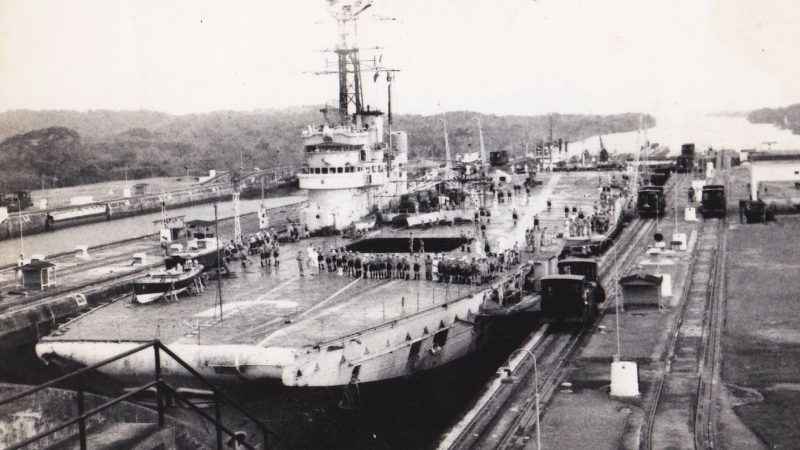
[(434, 267), (264, 244), (537, 238)]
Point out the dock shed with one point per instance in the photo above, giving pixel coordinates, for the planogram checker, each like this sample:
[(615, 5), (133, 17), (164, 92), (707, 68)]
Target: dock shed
[(140, 188), (641, 289), (37, 275)]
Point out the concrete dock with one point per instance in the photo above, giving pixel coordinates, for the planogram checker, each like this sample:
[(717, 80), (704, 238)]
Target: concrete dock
[(755, 387)]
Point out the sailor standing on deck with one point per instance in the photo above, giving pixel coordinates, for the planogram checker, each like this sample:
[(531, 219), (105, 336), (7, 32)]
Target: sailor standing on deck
[(428, 268), (528, 239), (262, 254), (300, 260)]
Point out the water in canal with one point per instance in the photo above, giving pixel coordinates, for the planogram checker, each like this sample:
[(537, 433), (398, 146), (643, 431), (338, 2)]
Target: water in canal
[(100, 233)]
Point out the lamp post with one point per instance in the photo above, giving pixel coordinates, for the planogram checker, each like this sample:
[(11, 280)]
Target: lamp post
[(616, 295), (535, 386), (624, 374)]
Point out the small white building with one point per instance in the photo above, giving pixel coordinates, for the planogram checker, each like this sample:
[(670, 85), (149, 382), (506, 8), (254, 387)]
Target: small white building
[(37, 274), (641, 289)]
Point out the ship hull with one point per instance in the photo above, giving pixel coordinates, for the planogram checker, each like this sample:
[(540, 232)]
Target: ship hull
[(393, 351)]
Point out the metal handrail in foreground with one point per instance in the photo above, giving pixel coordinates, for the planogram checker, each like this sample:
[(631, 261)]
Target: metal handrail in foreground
[(159, 384)]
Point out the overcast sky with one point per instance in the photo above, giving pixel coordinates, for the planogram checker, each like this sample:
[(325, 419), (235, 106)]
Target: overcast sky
[(500, 56)]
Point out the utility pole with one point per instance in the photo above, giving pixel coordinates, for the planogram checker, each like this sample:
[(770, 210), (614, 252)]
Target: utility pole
[(219, 261), (44, 193), (446, 148), (21, 239), (237, 223)]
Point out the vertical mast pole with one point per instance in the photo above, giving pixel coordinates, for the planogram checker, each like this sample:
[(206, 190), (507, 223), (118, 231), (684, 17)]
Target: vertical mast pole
[(446, 148), (390, 154), (219, 261)]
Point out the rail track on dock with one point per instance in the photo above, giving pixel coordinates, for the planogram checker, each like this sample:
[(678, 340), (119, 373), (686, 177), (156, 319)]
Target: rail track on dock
[(552, 348), (121, 256), (686, 379)]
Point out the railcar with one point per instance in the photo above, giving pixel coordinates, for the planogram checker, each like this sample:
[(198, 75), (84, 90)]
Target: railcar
[(574, 294), (713, 201), (16, 201), (650, 201)]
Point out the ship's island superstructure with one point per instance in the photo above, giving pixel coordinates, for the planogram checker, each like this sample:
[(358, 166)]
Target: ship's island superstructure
[(352, 166), (350, 171)]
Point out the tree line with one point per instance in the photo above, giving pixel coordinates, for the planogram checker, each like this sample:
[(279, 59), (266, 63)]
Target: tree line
[(787, 118), (70, 148)]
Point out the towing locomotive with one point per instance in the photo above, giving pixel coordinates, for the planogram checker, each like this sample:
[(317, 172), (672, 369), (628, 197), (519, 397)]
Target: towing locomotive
[(574, 294), (713, 201), (650, 201)]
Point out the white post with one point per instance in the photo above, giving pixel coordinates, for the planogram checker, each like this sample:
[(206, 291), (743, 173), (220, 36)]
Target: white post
[(616, 296)]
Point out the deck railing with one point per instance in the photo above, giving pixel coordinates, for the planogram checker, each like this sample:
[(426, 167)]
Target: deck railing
[(268, 438)]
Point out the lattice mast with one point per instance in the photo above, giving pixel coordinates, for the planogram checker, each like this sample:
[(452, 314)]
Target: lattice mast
[(349, 65)]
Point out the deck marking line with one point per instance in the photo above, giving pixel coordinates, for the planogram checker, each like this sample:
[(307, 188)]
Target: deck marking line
[(334, 295)]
